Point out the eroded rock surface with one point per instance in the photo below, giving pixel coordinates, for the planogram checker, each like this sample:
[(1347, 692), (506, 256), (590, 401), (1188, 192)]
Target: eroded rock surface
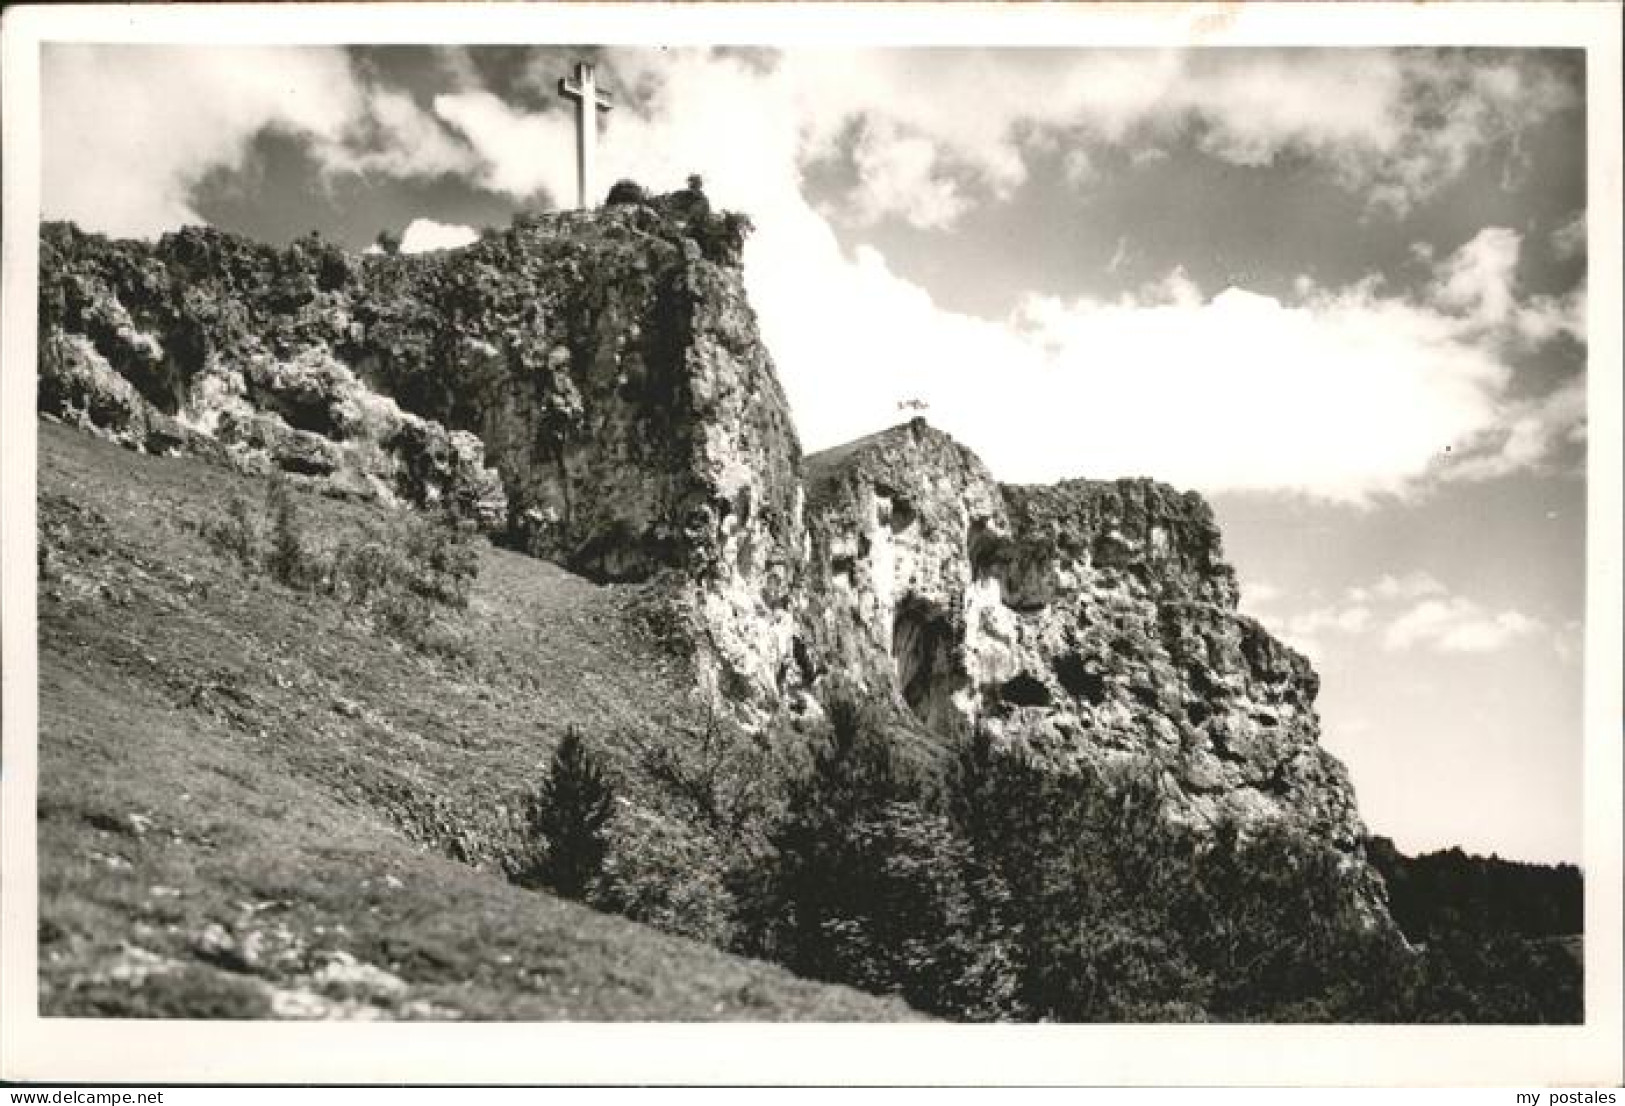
[(1087, 621), (592, 385), (206, 343)]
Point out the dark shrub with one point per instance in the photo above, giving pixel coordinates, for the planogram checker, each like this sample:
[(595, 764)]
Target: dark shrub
[(868, 876), (288, 558), (1451, 891), (626, 191), (570, 816), (665, 873)]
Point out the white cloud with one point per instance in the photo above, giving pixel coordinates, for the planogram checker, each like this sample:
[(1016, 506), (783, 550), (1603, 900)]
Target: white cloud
[(1411, 585), (1236, 391), (1344, 620), (1393, 125), (1538, 433), (129, 131), (1455, 624), (394, 136), (1410, 611), (1480, 281), (901, 176), (519, 152), (422, 235), (1541, 318), (1569, 239), (1310, 631), (1478, 278), (1342, 394)]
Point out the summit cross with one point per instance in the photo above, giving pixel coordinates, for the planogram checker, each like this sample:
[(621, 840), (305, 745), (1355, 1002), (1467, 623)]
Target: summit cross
[(589, 102)]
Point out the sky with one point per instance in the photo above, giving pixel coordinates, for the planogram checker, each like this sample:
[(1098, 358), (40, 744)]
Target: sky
[(1341, 292)]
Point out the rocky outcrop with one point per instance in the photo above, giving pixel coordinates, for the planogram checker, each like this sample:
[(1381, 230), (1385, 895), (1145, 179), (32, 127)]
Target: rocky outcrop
[(606, 366), (209, 344), (1086, 621), (592, 386), (610, 363)]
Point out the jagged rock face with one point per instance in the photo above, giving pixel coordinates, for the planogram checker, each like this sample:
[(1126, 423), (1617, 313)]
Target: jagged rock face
[(209, 344), (607, 364), (1088, 621), (889, 520), (612, 367)]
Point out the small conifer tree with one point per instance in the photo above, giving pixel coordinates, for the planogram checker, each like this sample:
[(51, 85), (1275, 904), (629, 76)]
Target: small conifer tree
[(289, 561), (571, 811)]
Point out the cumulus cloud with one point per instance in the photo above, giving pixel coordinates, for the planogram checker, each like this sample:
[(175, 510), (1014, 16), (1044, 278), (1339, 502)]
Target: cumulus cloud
[(1393, 125), (1454, 624), (1542, 433), (901, 176), (1259, 593), (129, 131), (1479, 282), (390, 134), (1410, 585), (1478, 278), (1338, 393), (1350, 619), (519, 152), (1410, 611), (1310, 631), (422, 235), (1341, 392)]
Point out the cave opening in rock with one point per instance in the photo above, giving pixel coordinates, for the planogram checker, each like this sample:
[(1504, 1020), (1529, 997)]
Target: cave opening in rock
[(1080, 679), (1024, 690), (923, 649), (1025, 574)]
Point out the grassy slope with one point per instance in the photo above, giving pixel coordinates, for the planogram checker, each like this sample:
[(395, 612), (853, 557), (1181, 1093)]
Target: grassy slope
[(249, 797)]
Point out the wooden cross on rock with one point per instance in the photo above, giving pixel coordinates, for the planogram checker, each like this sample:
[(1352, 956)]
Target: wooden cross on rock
[(589, 102)]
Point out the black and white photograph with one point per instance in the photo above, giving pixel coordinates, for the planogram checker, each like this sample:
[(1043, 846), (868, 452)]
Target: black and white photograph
[(1109, 524)]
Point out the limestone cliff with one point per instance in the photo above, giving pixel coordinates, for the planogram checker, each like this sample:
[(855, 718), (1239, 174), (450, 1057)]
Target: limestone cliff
[(605, 366), (592, 387), (1088, 621)]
